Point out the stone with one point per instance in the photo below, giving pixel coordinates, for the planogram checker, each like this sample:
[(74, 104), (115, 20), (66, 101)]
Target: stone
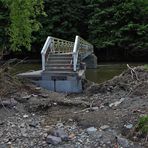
[(123, 142), (8, 103), (26, 97), (72, 136), (22, 125), (94, 108), (3, 146), (25, 116), (61, 133), (91, 130), (104, 127), (129, 126), (2, 122), (33, 124), (53, 140), (23, 132), (117, 102), (34, 95), (59, 125)]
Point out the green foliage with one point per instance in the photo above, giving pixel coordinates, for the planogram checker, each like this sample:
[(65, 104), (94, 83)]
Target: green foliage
[(120, 24), (143, 124), (64, 19), (23, 16), (146, 66), (4, 21), (117, 25)]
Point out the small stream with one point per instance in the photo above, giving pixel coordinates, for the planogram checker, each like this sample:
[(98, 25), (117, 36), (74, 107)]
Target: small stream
[(102, 73)]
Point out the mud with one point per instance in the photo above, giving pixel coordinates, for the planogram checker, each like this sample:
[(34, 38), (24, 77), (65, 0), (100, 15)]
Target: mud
[(118, 102)]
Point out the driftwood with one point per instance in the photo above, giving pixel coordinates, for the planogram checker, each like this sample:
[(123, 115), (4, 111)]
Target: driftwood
[(133, 72)]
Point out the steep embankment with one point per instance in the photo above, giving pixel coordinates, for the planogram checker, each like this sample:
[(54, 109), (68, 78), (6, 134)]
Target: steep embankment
[(29, 114)]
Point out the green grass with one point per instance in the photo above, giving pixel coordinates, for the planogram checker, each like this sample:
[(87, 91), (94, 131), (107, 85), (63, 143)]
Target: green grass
[(143, 124), (146, 66)]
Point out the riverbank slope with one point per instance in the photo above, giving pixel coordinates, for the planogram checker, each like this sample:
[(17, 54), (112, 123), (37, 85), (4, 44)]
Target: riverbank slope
[(28, 113)]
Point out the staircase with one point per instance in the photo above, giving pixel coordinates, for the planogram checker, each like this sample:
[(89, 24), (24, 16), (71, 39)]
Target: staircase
[(59, 63), (62, 67)]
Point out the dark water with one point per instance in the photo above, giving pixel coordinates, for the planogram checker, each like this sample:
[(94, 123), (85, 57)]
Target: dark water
[(20, 68), (102, 73), (107, 71)]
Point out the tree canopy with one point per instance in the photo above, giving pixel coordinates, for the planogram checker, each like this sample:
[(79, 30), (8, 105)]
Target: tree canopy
[(23, 21), (119, 25)]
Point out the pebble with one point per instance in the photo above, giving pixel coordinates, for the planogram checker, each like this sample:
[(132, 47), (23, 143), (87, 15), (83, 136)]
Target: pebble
[(72, 136), (94, 108), (117, 102), (91, 130), (26, 97), (25, 116), (59, 125), (123, 142), (104, 127), (61, 133), (129, 126), (53, 140)]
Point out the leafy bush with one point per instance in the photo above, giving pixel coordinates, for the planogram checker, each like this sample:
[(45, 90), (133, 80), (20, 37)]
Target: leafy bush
[(146, 66), (143, 124)]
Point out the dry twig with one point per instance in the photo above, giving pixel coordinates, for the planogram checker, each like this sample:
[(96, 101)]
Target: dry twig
[(133, 72)]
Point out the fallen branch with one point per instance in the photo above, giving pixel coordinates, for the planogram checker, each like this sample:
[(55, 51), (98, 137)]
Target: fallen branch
[(133, 72)]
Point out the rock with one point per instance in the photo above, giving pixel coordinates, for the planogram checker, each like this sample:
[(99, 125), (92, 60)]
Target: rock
[(61, 133), (123, 142), (44, 95), (34, 95), (94, 108), (25, 116), (59, 125), (38, 88), (55, 104), (104, 127), (53, 140), (22, 125), (8, 103), (129, 126), (23, 132), (117, 102), (33, 124), (72, 136), (26, 97), (2, 122), (91, 130), (3, 146)]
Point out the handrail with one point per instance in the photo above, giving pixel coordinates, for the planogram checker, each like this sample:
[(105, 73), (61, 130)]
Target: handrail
[(55, 45), (44, 51), (83, 47)]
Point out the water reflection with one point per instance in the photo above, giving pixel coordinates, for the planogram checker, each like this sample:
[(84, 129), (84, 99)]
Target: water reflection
[(104, 72)]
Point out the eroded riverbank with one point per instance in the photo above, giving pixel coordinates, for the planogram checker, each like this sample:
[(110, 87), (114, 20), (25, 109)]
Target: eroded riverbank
[(29, 114)]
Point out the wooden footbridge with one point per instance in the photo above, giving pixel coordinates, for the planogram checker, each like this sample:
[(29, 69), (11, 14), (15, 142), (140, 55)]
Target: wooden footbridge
[(64, 64)]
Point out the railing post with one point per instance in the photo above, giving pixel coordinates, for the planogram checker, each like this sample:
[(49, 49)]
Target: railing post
[(44, 50), (75, 53)]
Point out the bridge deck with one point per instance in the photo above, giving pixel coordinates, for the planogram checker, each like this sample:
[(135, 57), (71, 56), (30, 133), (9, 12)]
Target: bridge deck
[(31, 75)]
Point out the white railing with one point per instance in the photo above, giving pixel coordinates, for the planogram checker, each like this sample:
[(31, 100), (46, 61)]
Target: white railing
[(81, 47), (55, 45)]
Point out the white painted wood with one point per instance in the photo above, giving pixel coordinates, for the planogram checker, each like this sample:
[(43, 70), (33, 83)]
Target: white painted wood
[(56, 45), (83, 47)]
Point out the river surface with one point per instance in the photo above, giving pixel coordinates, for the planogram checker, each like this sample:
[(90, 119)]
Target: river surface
[(102, 73)]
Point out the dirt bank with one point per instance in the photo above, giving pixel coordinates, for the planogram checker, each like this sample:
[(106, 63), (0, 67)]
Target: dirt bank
[(28, 113)]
